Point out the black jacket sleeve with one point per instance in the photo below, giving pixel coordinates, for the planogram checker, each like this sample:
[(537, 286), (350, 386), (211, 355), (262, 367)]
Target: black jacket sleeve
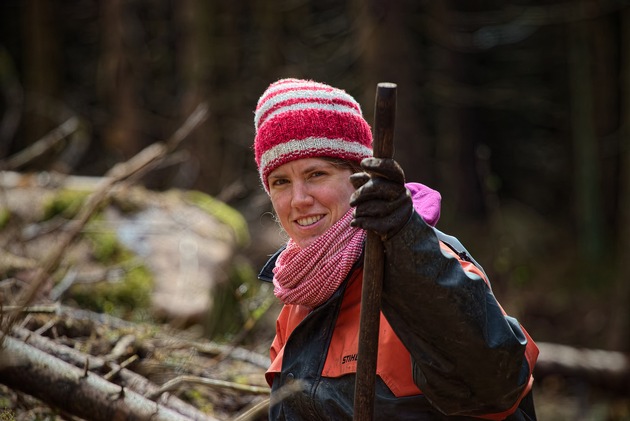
[(468, 357)]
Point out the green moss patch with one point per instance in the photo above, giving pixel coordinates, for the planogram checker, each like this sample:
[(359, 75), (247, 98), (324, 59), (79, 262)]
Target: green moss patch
[(127, 297), (5, 217), (66, 203), (223, 212), (126, 291)]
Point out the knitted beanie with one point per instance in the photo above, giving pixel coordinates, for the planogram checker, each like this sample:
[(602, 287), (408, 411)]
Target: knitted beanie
[(298, 119)]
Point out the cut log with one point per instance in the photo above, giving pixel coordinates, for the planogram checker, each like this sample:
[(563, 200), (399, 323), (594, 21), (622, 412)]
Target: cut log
[(78, 392), (128, 378), (609, 370)]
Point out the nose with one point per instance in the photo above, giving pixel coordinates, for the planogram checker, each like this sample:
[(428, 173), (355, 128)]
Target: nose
[(301, 195)]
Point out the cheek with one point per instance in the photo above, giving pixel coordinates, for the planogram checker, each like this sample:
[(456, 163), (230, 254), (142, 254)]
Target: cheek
[(280, 204), (342, 197)]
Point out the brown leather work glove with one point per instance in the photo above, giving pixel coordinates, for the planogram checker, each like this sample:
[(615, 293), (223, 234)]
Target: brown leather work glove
[(383, 203)]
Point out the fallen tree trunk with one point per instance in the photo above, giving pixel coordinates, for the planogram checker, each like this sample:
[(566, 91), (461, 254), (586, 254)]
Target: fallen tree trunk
[(609, 370), (128, 378), (79, 392)]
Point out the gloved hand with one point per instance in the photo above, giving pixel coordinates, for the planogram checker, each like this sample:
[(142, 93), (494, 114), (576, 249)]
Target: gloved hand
[(383, 203)]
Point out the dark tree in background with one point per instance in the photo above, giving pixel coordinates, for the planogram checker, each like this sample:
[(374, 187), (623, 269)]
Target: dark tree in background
[(516, 111)]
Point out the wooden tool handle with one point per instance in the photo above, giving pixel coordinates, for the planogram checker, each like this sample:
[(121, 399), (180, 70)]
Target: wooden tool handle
[(383, 147), (384, 120)]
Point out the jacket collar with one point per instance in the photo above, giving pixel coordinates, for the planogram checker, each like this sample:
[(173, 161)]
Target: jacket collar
[(266, 273)]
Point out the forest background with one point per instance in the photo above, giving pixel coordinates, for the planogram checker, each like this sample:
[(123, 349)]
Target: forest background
[(518, 112)]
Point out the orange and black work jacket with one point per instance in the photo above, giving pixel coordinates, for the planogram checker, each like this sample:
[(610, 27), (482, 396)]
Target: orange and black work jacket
[(447, 350)]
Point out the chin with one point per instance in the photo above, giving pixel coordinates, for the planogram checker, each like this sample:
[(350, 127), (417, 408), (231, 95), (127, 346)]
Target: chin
[(305, 243)]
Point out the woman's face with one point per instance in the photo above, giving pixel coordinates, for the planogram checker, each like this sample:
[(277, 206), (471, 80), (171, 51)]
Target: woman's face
[(309, 195)]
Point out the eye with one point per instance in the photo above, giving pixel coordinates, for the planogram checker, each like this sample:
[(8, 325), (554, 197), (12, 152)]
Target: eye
[(276, 182)]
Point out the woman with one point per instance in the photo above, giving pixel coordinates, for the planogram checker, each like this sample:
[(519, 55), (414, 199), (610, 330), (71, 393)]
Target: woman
[(446, 350)]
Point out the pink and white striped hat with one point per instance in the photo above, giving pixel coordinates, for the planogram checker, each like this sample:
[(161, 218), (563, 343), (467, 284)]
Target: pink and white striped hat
[(298, 119)]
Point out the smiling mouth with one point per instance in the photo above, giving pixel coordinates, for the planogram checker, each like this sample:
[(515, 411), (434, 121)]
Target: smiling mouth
[(308, 221)]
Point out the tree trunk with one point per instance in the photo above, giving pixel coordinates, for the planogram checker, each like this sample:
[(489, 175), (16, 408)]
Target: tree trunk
[(41, 67), (25, 368), (195, 20), (459, 127), (587, 200), (208, 67), (130, 379), (387, 54), (619, 326), (598, 368), (118, 81)]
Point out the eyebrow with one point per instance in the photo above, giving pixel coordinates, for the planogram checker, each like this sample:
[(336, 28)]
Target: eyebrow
[(312, 168), (315, 167)]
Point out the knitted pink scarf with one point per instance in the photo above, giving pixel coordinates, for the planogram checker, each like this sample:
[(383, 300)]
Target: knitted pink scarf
[(310, 276)]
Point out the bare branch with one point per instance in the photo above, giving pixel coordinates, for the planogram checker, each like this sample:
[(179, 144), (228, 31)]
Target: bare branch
[(258, 409), (221, 384), (42, 146)]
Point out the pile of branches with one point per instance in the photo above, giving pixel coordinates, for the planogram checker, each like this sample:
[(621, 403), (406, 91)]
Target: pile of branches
[(97, 367)]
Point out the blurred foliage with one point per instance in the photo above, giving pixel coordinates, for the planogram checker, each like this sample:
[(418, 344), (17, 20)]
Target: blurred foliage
[(106, 248), (224, 213), (65, 203), (126, 290), (5, 217), (128, 296), (6, 414)]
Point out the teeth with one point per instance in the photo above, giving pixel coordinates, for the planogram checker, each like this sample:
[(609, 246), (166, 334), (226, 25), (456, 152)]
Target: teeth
[(308, 221)]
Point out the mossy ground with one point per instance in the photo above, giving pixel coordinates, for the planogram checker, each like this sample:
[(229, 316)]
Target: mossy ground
[(126, 287)]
